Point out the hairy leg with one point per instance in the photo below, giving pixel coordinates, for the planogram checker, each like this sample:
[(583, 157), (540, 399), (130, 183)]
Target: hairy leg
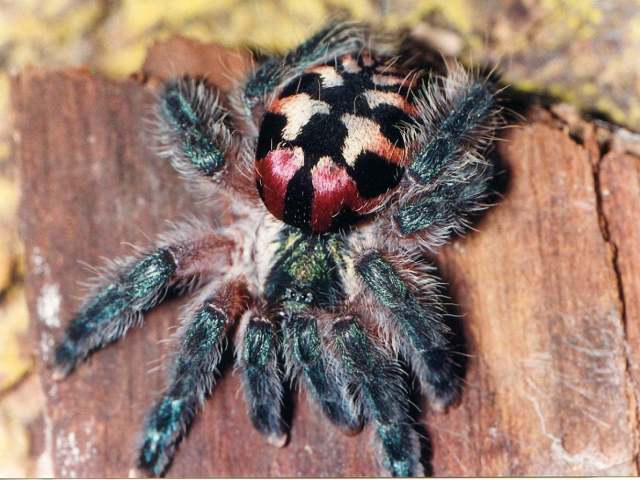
[(135, 285), (191, 129), (448, 179), (447, 208), (379, 383), (202, 339), (307, 357), (333, 40), (257, 358), (409, 296)]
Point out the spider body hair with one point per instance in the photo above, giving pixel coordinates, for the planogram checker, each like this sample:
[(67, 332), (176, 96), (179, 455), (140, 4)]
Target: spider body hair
[(342, 166)]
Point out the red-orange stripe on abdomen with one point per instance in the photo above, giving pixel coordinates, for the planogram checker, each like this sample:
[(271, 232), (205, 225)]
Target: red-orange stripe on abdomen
[(333, 188), (274, 172)]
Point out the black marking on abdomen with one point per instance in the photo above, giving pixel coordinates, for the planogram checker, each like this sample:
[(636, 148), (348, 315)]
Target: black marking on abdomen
[(374, 175), (391, 118), (297, 203), (270, 133)]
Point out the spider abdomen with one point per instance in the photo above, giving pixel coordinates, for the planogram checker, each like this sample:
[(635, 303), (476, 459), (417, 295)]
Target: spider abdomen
[(331, 143)]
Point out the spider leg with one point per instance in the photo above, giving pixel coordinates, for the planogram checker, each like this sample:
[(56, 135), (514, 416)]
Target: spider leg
[(419, 328), (378, 380), (202, 341), (448, 206), (305, 353), (257, 358), (333, 40), (191, 128), (134, 287), (448, 179)]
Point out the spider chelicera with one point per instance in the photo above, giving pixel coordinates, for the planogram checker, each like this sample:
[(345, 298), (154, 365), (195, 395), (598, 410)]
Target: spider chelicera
[(343, 166)]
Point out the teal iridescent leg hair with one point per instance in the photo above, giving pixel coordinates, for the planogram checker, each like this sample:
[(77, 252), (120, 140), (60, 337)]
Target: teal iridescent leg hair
[(425, 339), (202, 340), (448, 182), (130, 287), (115, 307), (258, 362), (333, 40), (191, 130), (381, 390), (308, 358)]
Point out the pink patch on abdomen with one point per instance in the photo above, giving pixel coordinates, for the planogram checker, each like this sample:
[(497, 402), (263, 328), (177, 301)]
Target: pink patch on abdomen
[(332, 188), (274, 173)]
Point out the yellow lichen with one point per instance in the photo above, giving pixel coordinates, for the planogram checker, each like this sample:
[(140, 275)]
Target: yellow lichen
[(119, 62), (14, 446), (8, 233), (14, 359), (18, 410)]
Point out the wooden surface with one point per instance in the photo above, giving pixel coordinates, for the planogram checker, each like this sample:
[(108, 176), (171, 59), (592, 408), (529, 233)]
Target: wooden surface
[(549, 288)]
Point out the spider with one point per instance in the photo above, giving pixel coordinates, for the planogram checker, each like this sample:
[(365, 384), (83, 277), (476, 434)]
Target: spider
[(344, 167)]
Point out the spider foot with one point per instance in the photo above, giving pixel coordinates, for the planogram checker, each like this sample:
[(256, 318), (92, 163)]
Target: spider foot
[(278, 441), (400, 450)]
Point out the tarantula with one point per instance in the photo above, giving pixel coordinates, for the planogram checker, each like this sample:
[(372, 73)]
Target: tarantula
[(343, 167)]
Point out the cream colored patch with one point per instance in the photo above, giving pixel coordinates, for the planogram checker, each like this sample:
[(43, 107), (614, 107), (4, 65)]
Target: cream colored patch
[(350, 65), (363, 134), (329, 76), (386, 80), (257, 233), (375, 98), (360, 135), (298, 109)]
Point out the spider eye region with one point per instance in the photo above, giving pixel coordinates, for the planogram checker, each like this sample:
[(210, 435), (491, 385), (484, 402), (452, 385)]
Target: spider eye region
[(331, 147)]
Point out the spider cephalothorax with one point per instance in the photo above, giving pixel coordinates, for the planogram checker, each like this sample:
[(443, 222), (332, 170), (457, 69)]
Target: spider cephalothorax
[(361, 165)]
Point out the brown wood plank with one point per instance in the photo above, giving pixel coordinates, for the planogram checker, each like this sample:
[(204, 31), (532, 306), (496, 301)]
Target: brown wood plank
[(619, 175), (548, 391)]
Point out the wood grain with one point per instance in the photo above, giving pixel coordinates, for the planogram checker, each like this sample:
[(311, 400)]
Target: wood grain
[(548, 288)]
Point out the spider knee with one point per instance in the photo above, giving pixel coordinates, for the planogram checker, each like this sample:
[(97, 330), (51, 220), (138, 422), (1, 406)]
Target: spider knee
[(149, 275)]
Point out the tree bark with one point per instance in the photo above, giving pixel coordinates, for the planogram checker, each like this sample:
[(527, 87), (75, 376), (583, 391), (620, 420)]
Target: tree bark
[(548, 286)]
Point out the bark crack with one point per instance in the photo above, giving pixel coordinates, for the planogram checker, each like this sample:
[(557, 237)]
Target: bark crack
[(603, 223), (598, 138)]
